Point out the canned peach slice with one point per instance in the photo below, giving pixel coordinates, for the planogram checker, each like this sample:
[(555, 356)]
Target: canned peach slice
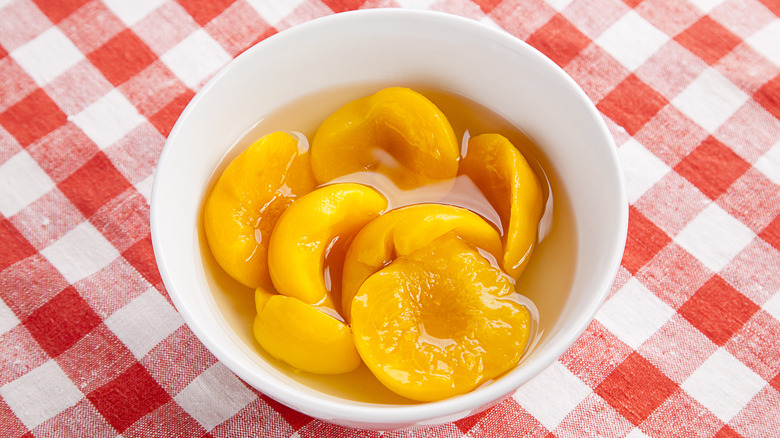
[(396, 131), (439, 322), (400, 232), (508, 182), (302, 335), (310, 229), (242, 209)]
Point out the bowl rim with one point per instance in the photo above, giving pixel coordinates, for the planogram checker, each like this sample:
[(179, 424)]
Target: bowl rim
[(364, 414)]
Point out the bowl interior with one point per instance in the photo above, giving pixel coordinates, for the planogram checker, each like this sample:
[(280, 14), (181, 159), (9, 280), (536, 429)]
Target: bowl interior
[(393, 47)]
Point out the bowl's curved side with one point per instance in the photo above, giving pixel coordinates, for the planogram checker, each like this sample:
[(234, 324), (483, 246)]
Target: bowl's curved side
[(393, 47)]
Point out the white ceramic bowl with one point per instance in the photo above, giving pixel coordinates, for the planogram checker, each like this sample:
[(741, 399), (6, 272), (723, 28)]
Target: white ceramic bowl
[(390, 46)]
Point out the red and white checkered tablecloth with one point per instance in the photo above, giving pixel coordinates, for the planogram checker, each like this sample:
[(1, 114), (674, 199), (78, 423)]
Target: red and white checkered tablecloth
[(687, 344)]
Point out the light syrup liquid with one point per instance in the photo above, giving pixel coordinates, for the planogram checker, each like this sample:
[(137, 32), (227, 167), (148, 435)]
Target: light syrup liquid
[(546, 280)]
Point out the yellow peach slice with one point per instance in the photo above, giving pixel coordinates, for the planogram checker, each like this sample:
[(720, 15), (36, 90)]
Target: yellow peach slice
[(309, 229), (508, 182), (396, 131), (405, 230), (303, 336), (439, 322), (246, 201)]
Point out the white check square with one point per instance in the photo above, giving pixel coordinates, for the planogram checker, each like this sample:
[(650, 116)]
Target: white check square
[(144, 187), (632, 40), (636, 433), (642, 169), (551, 395), (22, 182), (772, 306), (767, 41), (108, 119), (8, 319), (723, 384), (40, 394), (214, 396), (558, 5), (132, 12), (710, 100), (274, 11), (47, 56), (706, 5), (195, 58), (769, 164), (634, 313), (80, 253), (144, 322), (714, 237)]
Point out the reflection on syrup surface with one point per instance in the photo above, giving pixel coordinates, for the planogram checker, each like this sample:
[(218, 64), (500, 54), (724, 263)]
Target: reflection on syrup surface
[(544, 285)]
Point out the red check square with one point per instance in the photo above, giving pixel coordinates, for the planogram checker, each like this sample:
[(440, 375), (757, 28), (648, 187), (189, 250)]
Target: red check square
[(15, 246), (718, 310), (164, 119), (775, 382), (727, 432), (708, 39), (94, 184), (130, 396), (141, 256), (295, 419), (343, 5), (712, 167), (645, 239), (632, 104), (61, 322), (467, 423), (56, 10), (636, 388), (33, 117), (772, 233), (769, 96), (122, 57), (772, 5), (559, 40), (204, 11)]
